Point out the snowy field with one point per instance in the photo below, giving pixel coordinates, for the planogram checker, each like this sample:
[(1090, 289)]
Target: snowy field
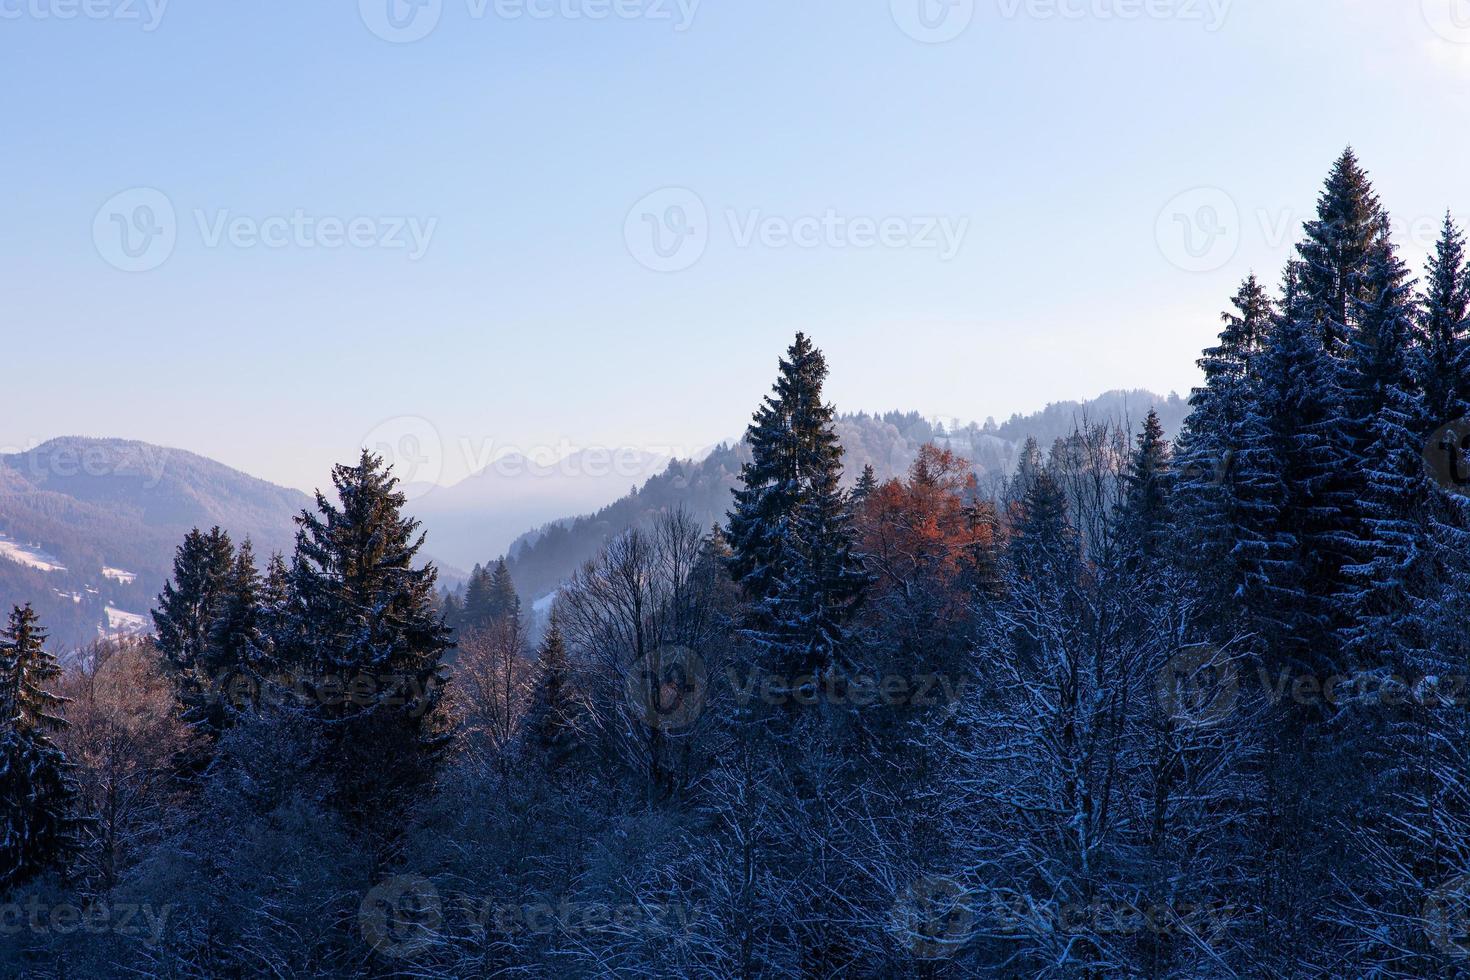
[(29, 556), (125, 622)]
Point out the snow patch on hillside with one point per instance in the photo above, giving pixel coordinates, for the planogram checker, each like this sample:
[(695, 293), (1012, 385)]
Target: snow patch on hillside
[(29, 555), (125, 622), (119, 576)]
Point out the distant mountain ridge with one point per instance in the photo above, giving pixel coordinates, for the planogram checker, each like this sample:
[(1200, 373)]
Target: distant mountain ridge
[(88, 527), (110, 512), (483, 513), (541, 559)]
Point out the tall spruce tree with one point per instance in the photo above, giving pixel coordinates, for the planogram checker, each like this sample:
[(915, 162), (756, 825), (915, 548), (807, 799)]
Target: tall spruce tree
[(1337, 251), (478, 599), (185, 621), (1220, 478), (39, 822), (1145, 526), (555, 723), (790, 533), (504, 602), (370, 618), (1442, 357), (1384, 409), (237, 642)]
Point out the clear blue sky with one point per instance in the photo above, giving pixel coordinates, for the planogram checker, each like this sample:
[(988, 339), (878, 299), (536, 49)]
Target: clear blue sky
[(1054, 132)]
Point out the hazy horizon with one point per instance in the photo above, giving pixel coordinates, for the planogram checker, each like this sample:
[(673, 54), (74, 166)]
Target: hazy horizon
[(263, 233)]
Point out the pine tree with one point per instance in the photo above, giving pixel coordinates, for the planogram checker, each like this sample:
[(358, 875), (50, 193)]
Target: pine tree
[(556, 721), (237, 643), (370, 620), (790, 533), (189, 608), (1442, 359), (1297, 454), (478, 599), (275, 614), (1220, 477), (1384, 409), (39, 824), (1043, 543), (189, 603), (866, 484), (451, 607), (1338, 250), (504, 603), (1145, 526)]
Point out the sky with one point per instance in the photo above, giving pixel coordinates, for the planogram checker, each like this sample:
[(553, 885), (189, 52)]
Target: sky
[(269, 232)]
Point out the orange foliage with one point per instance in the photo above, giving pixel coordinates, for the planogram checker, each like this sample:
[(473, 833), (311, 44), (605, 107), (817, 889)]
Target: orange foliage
[(928, 529)]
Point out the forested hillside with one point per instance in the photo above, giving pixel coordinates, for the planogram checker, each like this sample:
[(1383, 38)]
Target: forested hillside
[(889, 443), (1147, 707), (90, 524)]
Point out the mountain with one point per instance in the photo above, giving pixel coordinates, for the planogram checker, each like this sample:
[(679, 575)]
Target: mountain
[(88, 527), (482, 514), (540, 560)]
